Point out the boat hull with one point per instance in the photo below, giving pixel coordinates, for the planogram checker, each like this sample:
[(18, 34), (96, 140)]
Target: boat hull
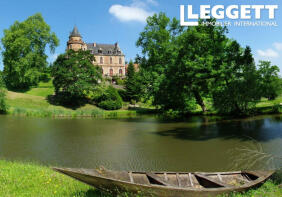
[(92, 178)]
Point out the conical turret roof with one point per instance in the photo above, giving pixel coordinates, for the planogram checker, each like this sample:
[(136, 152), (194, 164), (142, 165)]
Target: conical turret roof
[(75, 32)]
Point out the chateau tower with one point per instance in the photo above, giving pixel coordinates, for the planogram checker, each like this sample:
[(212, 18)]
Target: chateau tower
[(75, 41)]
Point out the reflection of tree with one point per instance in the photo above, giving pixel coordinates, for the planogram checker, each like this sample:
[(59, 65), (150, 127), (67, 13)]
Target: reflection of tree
[(276, 119), (240, 129), (252, 156), (204, 129)]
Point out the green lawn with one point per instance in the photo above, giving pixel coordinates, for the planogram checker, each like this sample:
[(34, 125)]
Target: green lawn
[(34, 103), (27, 179), (43, 89), (267, 103)]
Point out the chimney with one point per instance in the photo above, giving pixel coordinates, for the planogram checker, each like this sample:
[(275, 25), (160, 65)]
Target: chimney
[(94, 44)]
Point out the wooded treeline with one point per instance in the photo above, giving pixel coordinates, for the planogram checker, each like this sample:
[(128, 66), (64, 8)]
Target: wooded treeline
[(184, 67)]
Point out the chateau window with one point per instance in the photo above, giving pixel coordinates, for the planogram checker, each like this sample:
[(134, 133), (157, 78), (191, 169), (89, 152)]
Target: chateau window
[(111, 60), (111, 72), (101, 60), (120, 61), (100, 51), (120, 71)]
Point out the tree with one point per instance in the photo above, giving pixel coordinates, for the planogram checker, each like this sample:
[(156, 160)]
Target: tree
[(75, 75), (270, 85), (236, 89), (132, 86), (3, 104), (182, 67), (24, 54), (194, 66), (156, 42)]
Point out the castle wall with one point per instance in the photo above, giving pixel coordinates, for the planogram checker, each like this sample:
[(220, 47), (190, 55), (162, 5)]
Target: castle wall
[(107, 65)]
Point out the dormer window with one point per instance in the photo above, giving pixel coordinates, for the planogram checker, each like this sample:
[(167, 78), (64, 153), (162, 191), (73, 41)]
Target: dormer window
[(100, 51)]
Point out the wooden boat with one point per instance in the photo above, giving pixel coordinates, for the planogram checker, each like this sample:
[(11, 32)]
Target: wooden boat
[(168, 184)]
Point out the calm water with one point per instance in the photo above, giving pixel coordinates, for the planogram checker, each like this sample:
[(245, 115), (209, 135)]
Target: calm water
[(198, 144)]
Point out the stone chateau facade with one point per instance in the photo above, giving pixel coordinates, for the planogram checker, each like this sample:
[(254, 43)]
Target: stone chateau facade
[(108, 56)]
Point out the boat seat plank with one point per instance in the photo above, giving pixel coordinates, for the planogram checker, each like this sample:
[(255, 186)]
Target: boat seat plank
[(157, 179), (178, 180), (213, 181), (191, 180), (140, 178), (131, 177), (219, 177), (184, 180)]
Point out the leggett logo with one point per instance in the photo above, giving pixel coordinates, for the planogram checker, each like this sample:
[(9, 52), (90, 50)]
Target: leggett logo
[(236, 13)]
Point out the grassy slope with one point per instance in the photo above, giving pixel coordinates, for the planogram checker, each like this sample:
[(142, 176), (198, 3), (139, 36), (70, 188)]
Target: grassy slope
[(34, 103), (24, 180)]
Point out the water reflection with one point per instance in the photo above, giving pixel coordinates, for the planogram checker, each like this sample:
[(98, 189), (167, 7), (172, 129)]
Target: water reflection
[(146, 143)]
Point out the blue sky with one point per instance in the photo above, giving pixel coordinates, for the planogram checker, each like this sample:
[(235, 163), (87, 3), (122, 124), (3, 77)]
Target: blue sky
[(110, 21)]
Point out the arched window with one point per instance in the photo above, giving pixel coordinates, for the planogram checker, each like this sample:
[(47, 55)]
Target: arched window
[(111, 72), (120, 60), (111, 60), (101, 60), (120, 71)]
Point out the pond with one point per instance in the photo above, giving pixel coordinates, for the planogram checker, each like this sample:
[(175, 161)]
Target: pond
[(143, 143)]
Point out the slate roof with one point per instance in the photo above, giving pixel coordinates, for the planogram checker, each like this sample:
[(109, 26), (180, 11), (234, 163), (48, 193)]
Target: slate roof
[(75, 32), (104, 49)]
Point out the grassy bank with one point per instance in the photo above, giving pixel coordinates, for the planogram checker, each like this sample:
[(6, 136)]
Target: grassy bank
[(24, 180), (34, 103)]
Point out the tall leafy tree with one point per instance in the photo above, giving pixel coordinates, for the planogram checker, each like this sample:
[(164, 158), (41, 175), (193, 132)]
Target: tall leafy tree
[(75, 75), (132, 86), (156, 44), (196, 63), (236, 89), (270, 83), (24, 54)]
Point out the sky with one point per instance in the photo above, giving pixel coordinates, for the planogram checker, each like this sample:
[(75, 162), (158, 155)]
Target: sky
[(110, 21)]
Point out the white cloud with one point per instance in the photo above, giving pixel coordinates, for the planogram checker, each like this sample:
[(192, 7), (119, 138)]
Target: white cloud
[(269, 53), (278, 46), (137, 11)]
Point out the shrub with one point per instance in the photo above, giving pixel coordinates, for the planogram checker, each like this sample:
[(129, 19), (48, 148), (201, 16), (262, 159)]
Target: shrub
[(3, 105), (110, 100), (120, 81), (110, 105)]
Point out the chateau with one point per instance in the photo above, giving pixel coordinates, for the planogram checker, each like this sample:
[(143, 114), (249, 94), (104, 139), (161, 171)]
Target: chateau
[(108, 56)]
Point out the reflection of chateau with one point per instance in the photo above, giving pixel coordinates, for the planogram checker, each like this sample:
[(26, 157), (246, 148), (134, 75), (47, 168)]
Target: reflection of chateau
[(108, 56)]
